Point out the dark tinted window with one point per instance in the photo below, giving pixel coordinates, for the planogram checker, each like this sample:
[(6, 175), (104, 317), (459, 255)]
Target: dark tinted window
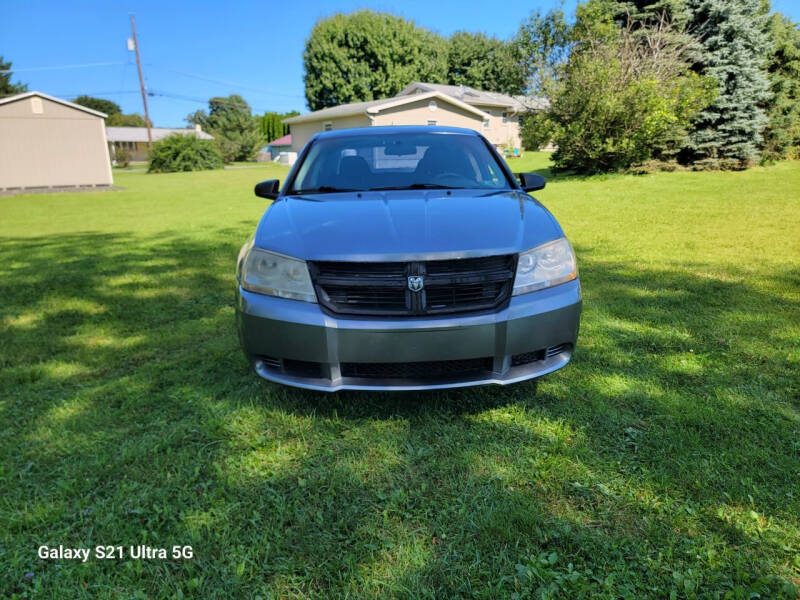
[(398, 161)]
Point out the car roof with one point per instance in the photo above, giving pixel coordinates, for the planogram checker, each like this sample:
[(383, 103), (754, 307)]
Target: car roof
[(393, 129)]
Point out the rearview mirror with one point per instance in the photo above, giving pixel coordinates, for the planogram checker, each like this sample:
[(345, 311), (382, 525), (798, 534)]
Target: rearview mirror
[(398, 148), (531, 181), (268, 189)]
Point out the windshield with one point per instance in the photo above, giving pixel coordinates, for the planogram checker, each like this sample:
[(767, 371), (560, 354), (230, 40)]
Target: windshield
[(399, 161)]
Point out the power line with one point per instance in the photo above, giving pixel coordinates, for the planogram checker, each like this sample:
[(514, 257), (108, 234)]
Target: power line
[(153, 94), (61, 67), (114, 93), (196, 100), (168, 69), (228, 83)]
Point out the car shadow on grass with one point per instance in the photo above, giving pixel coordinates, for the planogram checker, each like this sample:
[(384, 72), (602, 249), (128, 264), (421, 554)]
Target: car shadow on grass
[(664, 458)]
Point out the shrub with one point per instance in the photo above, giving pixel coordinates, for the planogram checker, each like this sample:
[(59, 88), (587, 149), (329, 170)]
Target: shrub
[(722, 164), (624, 101), (536, 130), (179, 152), (122, 156), (656, 166), (237, 133)]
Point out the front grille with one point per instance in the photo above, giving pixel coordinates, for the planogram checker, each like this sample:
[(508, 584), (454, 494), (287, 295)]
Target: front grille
[(381, 288), (441, 369), (302, 368), (295, 368)]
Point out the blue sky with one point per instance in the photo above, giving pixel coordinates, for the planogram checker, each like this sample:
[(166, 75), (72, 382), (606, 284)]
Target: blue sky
[(194, 50)]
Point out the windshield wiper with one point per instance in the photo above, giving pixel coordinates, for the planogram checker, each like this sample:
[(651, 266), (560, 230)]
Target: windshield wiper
[(416, 186), (323, 189)]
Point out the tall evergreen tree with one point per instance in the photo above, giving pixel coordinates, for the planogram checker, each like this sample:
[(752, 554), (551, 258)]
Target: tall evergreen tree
[(272, 124), (649, 12), (6, 87), (734, 45), (782, 135), (669, 17)]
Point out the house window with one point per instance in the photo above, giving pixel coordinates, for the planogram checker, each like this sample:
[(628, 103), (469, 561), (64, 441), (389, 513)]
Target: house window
[(505, 117), (327, 126), (486, 123), (432, 105), (431, 123)]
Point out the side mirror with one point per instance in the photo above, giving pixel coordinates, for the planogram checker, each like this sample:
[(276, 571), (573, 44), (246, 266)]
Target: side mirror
[(531, 181), (268, 189)]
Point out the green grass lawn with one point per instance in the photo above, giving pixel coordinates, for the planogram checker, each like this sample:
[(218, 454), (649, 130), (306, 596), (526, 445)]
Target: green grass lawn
[(664, 462)]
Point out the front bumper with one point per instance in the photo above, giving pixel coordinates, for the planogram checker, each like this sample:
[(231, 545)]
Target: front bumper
[(297, 344)]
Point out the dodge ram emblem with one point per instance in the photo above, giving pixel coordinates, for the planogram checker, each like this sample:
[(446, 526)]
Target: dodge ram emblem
[(415, 283)]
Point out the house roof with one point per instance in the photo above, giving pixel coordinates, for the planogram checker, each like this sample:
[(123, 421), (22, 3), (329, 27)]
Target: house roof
[(375, 106), (24, 95), (390, 129), (139, 134), (282, 141), (477, 97)]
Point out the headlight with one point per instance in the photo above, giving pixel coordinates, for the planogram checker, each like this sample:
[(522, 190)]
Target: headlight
[(275, 275), (547, 265)]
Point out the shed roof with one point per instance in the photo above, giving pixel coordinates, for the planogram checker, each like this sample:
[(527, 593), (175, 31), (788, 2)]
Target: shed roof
[(139, 134), (24, 95)]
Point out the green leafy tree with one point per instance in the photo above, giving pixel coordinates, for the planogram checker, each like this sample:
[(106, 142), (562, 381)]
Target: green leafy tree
[(179, 152), (367, 55), (595, 23), (485, 63), (236, 132), (115, 118), (536, 129), (129, 120), (620, 101), (6, 87), (272, 124), (540, 48), (100, 104), (733, 48), (782, 134)]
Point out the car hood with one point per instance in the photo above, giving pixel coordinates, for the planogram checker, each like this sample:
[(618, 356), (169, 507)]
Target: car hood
[(405, 225)]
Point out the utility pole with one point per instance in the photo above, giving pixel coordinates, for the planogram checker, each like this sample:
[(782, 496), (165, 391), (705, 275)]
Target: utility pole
[(141, 82)]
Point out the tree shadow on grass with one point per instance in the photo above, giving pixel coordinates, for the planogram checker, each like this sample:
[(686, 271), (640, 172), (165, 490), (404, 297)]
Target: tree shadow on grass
[(129, 416)]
